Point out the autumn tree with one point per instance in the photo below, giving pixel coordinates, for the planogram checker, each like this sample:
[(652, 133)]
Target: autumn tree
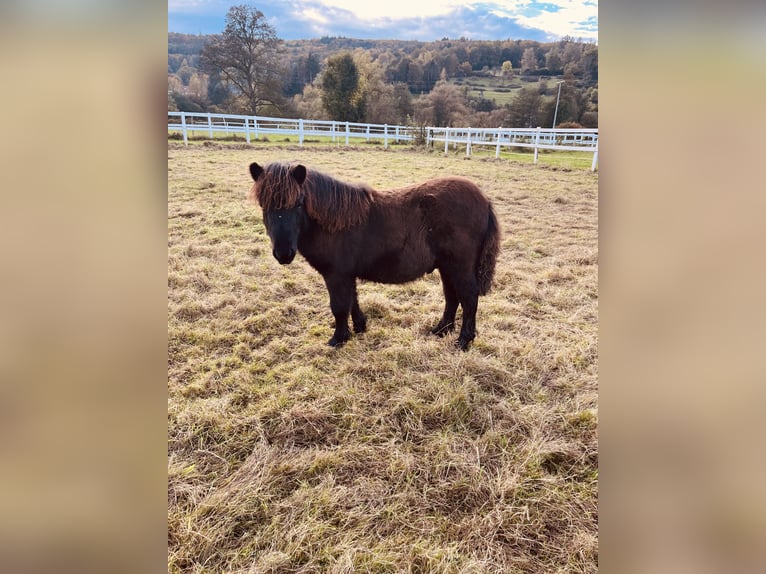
[(507, 70), (553, 61), (377, 94), (589, 64), (403, 101), (247, 58), (525, 109), (573, 102), (443, 106), (528, 60), (309, 103), (342, 93)]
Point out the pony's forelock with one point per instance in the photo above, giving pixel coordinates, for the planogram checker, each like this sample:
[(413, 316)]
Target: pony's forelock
[(276, 188)]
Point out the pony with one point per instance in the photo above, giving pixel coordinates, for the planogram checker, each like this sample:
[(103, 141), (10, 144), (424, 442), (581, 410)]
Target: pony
[(348, 231)]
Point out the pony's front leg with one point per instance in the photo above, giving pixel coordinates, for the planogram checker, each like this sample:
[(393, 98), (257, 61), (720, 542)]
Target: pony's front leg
[(341, 289), (357, 317), (447, 322)]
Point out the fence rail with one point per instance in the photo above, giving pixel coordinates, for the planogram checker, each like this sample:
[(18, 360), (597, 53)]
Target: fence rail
[(259, 126), (536, 138)]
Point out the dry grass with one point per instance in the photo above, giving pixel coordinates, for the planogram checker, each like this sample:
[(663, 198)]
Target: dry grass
[(395, 453)]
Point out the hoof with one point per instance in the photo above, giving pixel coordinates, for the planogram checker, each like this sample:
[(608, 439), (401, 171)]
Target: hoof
[(463, 344), (361, 327), (441, 330), (336, 341)]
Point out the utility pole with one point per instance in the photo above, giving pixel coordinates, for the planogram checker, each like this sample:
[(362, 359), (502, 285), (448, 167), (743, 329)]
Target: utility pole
[(556, 113)]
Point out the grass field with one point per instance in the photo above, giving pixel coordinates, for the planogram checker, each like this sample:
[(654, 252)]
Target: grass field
[(396, 452), (503, 91), (562, 159)]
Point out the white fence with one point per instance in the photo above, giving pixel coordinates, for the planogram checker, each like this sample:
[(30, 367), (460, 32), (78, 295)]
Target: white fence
[(260, 126), (536, 138)]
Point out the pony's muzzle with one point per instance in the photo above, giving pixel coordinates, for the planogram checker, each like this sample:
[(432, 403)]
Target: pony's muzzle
[(284, 257)]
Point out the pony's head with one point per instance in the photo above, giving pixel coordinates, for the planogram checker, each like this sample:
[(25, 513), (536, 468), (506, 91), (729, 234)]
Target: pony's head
[(278, 190)]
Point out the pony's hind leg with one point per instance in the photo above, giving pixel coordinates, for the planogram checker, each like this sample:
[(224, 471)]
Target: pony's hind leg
[(468, 293), (447, 322), (357, 317), (466, 289), (341, 289)]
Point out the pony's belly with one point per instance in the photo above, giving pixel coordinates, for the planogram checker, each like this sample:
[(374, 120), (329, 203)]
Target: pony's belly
[(399, 267)]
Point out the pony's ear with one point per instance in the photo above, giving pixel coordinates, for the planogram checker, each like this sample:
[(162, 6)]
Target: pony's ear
[(299, 173), (256, 171)]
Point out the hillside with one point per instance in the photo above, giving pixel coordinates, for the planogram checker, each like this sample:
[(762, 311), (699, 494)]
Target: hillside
[(488, 75)]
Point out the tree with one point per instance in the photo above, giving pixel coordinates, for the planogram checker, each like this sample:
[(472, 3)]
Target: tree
[(529, 60), (302, 72), (309, 103), (589, 119), (197, 87), (403, 101), (589, 62), (342, 94), (247, 57), (377, 94), (507, 70), (553, 61), (443, 106), (525, 109), (572, 103)]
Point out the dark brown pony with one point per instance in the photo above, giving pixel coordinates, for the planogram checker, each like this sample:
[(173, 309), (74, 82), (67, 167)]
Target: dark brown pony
[(348, 231)]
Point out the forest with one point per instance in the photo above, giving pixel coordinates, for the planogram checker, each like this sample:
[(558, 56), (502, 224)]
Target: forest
[(450, 82)]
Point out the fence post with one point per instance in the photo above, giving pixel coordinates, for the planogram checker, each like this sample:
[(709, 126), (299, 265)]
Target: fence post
[(300, 132), (368, 133), (209, 126), (595, 160), (346, 134), (468, 143), (446, 140), (497, 149), (537, 142), (247, 128), (183, 127), (385, 136)]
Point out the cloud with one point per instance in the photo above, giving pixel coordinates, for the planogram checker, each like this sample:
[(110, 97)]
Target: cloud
[(315, 16), (403, 19), (190, 5), (395, 9), (573, 18)]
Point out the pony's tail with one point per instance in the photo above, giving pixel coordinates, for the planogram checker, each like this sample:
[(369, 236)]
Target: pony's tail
[(488, 254)]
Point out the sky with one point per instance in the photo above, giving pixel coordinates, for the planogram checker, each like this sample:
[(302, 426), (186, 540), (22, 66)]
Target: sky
[(424, 20)]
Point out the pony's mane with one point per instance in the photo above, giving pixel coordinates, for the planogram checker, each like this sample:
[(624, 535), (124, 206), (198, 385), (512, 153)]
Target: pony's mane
[(334, 204)]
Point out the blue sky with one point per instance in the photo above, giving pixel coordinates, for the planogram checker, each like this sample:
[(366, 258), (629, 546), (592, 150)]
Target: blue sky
[(424, 20)]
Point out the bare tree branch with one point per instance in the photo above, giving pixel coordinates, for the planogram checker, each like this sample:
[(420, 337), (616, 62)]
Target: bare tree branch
[(247, 57)]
